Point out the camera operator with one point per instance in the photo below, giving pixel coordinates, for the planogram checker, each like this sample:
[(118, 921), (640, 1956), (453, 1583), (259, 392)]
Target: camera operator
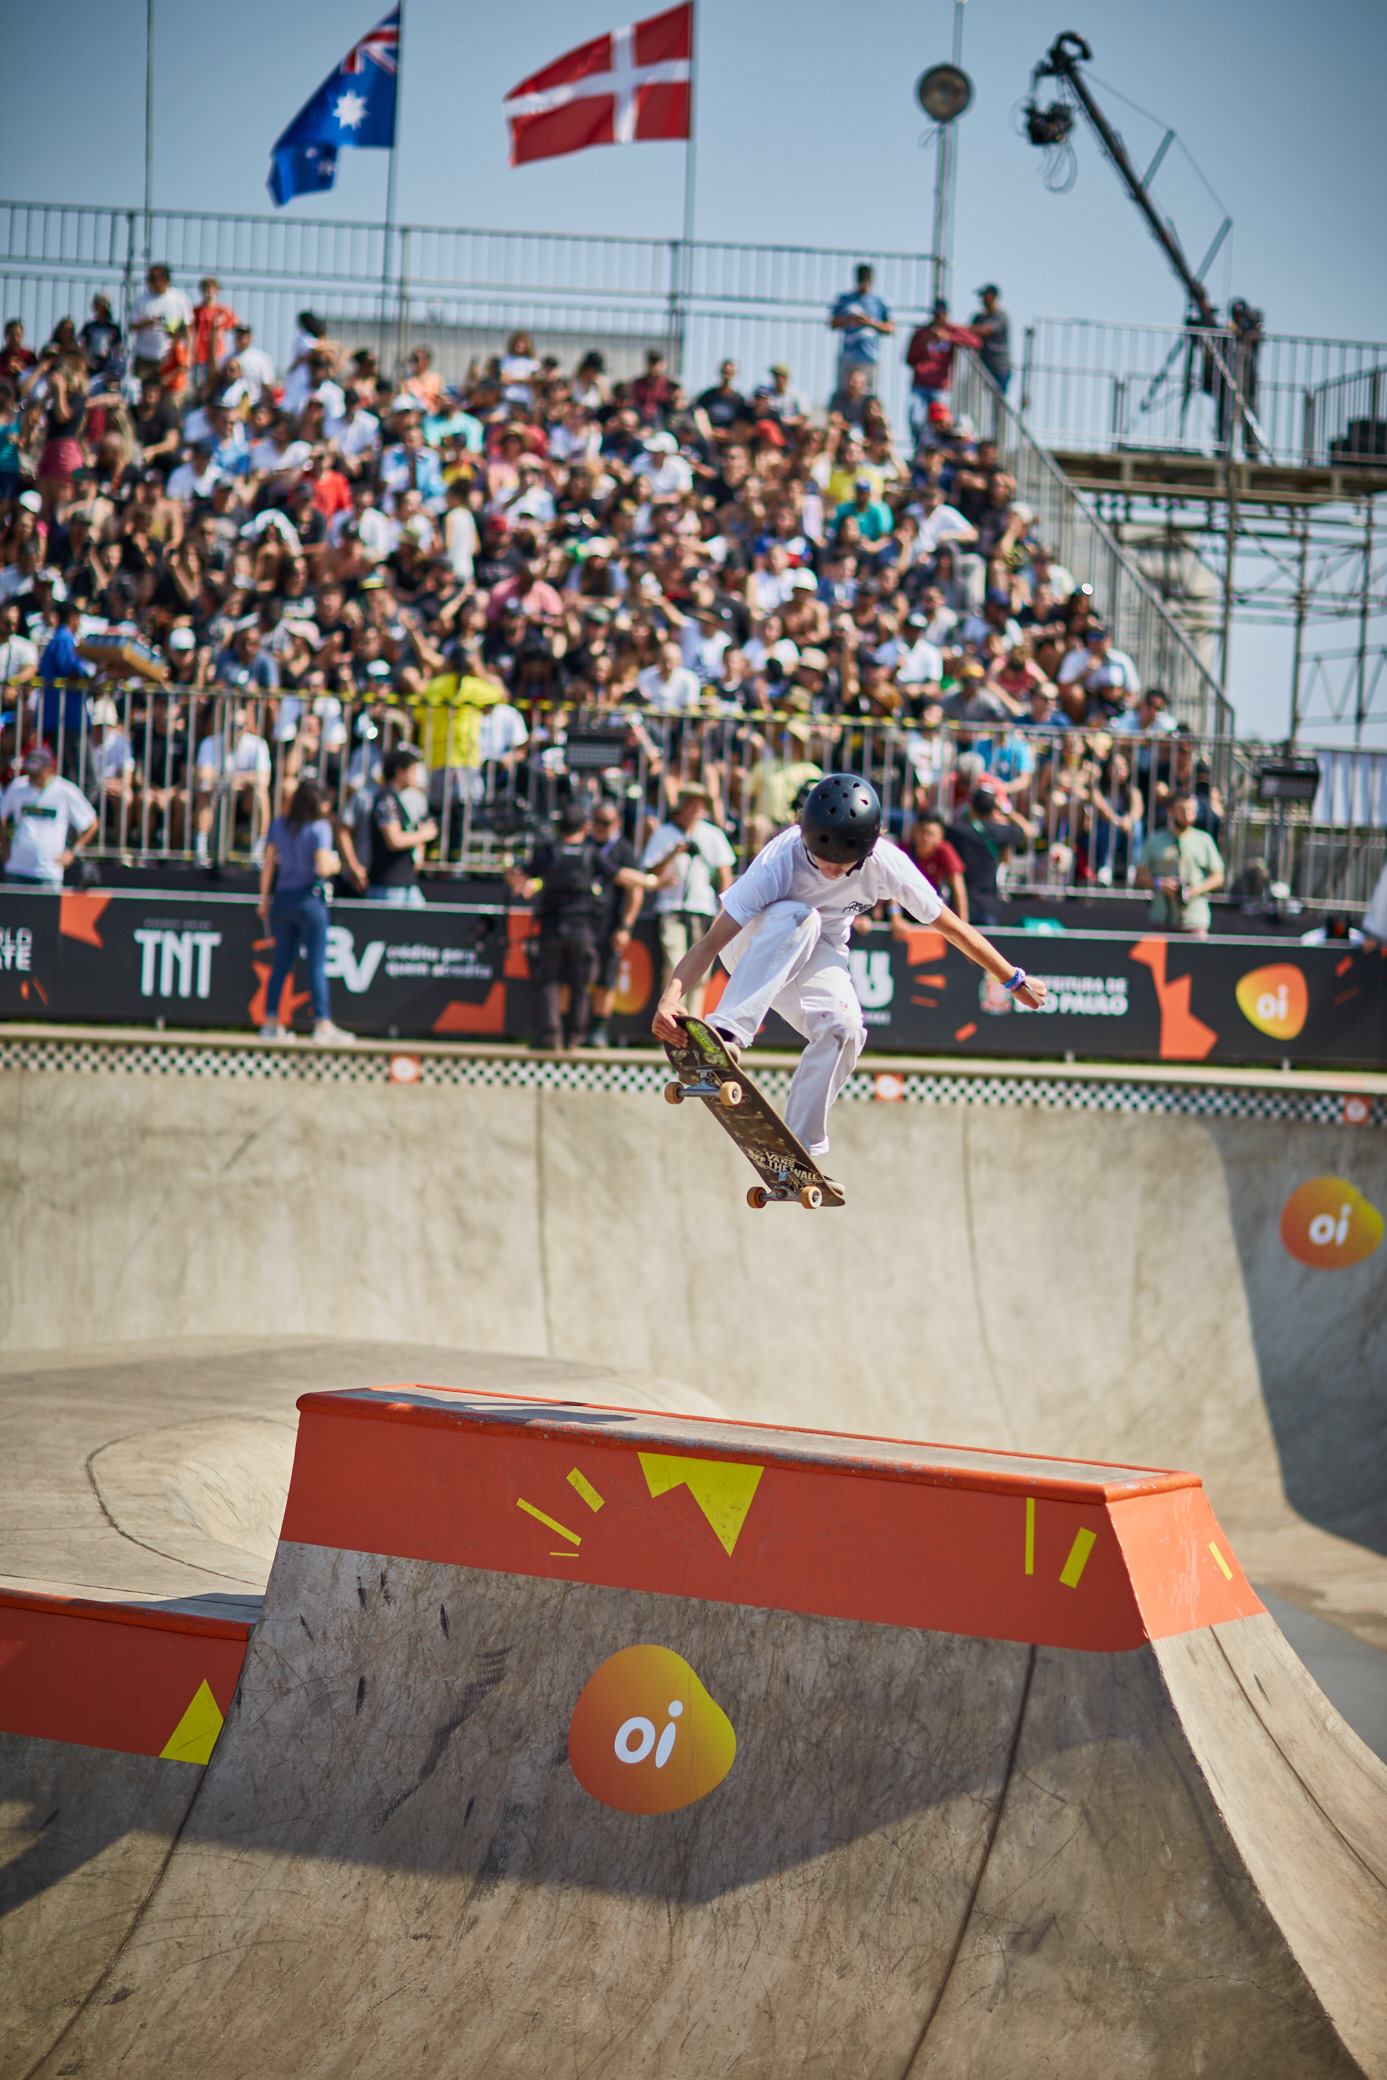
[(570, 882)]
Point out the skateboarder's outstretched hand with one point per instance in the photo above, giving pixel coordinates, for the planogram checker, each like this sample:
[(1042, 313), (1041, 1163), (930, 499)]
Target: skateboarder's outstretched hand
[(688, 974)]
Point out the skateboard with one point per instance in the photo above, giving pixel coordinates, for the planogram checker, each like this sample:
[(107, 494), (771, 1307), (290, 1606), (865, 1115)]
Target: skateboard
[(787, 1170)]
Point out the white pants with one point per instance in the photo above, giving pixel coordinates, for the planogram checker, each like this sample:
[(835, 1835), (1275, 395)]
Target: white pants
[(779, 963)]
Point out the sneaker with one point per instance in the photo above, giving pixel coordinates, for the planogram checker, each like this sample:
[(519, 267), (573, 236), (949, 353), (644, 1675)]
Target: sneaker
[(598, 1036), (733, 1046), (326, 1034), (273, 1032)]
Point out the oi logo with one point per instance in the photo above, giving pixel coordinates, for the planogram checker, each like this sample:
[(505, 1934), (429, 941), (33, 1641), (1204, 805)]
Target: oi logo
[(1275, 1000), (1328, 1224), (646, 1737)]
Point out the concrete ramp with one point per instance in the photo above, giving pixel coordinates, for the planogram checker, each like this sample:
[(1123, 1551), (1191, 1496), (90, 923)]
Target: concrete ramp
[(575, 1740)]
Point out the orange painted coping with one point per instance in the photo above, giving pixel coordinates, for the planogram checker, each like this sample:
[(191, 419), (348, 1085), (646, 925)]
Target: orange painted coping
[(107, 1675), (988, 1544)]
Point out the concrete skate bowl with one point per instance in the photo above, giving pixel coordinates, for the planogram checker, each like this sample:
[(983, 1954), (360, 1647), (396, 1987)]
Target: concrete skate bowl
[(1018, 1765), (1056, 1276)]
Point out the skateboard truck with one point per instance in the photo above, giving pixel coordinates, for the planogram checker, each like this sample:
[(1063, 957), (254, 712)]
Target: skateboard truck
[(783, 1187), (721, 1093)]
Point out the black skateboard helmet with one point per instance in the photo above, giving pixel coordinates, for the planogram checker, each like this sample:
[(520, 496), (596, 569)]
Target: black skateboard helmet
[(841, 819)]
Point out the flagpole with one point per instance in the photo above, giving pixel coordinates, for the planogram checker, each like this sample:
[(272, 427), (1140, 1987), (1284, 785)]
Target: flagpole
[(390, 194), (686, 249)]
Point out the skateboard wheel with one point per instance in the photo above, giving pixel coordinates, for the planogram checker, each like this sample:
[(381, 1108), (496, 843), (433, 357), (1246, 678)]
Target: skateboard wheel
[(730, 1094), (811, 1197), (758, 1197), (674, 1094)]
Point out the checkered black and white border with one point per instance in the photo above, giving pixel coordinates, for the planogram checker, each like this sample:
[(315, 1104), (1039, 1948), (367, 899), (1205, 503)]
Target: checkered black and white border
[(1085, 1091)]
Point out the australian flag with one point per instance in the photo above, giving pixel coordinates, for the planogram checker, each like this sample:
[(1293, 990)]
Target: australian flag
[(354, 105)]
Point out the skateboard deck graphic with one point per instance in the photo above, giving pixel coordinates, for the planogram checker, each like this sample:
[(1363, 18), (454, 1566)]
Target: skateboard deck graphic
[(787, 1170)]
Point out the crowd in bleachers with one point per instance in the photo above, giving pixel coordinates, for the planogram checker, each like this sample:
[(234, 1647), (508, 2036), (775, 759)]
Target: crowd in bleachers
[(219, 576)]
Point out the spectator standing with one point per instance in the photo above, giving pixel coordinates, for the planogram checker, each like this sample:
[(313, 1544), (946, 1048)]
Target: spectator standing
[(692, 863), (299, 861), (778, 399), (46, 822), (930, 359), (982, 838), (236, 764), (398, 834), (993, 328), (100, 340), (257, 371), (717, 410), (211, 321), (862, 321), (161, 312), (1184, 867), (624, 901), (940, 864), (569, 882)]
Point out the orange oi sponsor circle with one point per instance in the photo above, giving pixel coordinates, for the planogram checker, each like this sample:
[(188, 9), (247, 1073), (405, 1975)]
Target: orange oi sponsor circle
[(1275, 1000), (646, 1737), (634, 979), (1328, 1224)]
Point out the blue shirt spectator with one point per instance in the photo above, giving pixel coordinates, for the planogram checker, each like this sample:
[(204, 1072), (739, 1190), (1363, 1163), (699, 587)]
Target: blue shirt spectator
[(861, 320)]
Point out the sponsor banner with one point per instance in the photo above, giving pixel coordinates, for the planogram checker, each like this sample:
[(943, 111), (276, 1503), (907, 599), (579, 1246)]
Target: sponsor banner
[(204, 961)]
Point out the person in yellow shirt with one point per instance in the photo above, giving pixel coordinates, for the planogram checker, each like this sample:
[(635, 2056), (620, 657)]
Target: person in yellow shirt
[(463, 721)]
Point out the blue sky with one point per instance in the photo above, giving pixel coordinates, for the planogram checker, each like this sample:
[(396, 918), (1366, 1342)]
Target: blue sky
[(808, 134)]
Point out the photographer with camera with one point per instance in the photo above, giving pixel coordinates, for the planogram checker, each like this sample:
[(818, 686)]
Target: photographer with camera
[(692, 863), (1184, 867)]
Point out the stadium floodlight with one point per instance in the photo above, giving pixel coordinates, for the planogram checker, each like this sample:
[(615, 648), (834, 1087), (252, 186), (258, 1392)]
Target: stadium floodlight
[(944, 92)]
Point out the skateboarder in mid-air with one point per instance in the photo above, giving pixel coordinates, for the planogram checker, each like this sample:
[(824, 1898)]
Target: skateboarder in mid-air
[(783, 934)]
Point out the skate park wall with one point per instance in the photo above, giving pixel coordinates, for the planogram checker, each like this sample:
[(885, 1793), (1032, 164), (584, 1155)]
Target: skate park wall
[(1032, 1278)]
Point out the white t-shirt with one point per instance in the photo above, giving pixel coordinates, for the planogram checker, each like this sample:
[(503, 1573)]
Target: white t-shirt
[(17, 654), (678, 693), (785, 873), (42, 818), (249, 754), (463, 541), (693, 887), (154, 318), (944, 524), (500, 730)]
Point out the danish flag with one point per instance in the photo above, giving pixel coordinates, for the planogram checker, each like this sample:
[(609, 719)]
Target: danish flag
[(631, 86), (382, 46)]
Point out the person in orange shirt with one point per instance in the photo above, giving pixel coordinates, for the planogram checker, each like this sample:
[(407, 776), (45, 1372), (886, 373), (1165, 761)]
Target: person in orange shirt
[(210, 320), (173, 369)]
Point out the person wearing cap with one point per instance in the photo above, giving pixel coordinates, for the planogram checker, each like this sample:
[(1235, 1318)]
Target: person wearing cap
[(993, 328), (778, 400), (930, 359), (257, 370), (662, 471), (874, 517), (1097, 682), (46, 822), (982, 837), (692, 863)]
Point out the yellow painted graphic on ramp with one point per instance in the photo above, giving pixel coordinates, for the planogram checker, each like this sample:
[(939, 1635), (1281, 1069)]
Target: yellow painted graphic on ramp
[(552, 1523), (195, 1735), (1084, 1542), (722, 1491), (585, 1488)]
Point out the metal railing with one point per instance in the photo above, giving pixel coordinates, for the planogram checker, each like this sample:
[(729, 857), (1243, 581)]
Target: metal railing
[(160, 766), (1068, 524), (1090, 387), (462, 290)]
